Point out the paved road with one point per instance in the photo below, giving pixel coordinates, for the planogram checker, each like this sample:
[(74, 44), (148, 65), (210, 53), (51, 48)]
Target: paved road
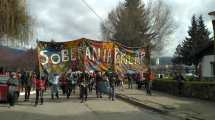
[(72, 109)]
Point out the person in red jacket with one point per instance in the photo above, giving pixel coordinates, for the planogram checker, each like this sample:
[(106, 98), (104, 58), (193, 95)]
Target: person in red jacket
[(149, 80), (40, 87)]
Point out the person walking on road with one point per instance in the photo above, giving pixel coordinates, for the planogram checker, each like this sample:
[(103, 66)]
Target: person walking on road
[(63, 83), (179, 80), (54, 81), (91, 82), (112, 79), (27, 85), (149, 80), (83, 87), (72, 81), (121, 77), (40, 87), (98, 80), (12, 86), (130, 82)]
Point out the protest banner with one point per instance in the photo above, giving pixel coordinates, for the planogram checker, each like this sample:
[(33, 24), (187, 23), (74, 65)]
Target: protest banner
[(89, 55)]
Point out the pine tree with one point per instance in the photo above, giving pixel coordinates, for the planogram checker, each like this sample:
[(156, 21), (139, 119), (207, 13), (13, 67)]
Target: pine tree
[(188, 46), (198, 37), (132, 26), (135, 25), (203, 33), (177, 55)]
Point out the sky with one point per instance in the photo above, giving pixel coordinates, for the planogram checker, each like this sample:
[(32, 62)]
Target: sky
[(64, 20)]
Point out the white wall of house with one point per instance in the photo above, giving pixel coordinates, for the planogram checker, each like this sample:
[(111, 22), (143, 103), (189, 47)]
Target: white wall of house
[(206, 66)]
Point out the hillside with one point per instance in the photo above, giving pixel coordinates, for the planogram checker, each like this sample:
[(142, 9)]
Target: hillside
[(13, 59)]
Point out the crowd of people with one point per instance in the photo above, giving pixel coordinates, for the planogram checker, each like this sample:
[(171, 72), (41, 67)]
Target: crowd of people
[(68, 82)]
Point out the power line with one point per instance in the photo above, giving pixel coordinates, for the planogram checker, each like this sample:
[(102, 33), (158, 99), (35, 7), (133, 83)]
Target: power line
[(92, 10), (89, 7)]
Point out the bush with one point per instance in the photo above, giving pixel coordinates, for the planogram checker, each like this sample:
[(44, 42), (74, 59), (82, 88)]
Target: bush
[(196, 89)]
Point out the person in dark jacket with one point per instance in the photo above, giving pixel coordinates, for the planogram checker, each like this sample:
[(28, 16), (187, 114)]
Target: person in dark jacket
[(179, 80), (27, 85), (12, 86), (98, 80), (130, 81), (63, 83), (91, 82), (112, 79), (23, 79), (83, 83), (72, 81)]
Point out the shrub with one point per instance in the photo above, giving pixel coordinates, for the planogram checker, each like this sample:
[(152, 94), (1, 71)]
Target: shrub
[(196, 89)]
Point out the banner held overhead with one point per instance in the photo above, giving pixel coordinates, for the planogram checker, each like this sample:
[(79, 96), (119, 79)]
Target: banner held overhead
[(89, 55)]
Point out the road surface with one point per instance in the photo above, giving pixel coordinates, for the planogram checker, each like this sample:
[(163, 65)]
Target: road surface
[(72, 109)]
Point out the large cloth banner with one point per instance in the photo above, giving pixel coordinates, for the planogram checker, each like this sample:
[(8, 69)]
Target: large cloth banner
[(129, 59), (60, 57), (88, 55), (99, 55)]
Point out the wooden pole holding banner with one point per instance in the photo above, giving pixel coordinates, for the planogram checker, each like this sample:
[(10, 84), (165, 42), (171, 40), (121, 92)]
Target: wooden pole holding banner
[(113, 61), (37, 59)]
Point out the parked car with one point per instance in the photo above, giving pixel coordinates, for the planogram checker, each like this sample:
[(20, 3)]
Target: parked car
[(4, 88), (191, 76)]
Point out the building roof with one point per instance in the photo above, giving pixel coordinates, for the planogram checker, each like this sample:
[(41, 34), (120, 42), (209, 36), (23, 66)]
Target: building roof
[(212, 13)]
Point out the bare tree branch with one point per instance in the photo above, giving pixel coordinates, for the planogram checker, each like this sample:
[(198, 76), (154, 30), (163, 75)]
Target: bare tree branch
[(15, 23)]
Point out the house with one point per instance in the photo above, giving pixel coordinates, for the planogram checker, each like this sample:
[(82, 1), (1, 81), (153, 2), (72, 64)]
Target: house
[(207, 62), (164, 67)]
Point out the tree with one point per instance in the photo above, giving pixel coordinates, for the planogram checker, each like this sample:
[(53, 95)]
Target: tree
[(162, 23), (177, 58), (135, 25), (15, 23), (128, 22), (203, 33), (198, 38)]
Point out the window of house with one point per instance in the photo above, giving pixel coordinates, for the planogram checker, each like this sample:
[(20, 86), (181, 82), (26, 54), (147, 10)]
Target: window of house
[(213, 68)]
